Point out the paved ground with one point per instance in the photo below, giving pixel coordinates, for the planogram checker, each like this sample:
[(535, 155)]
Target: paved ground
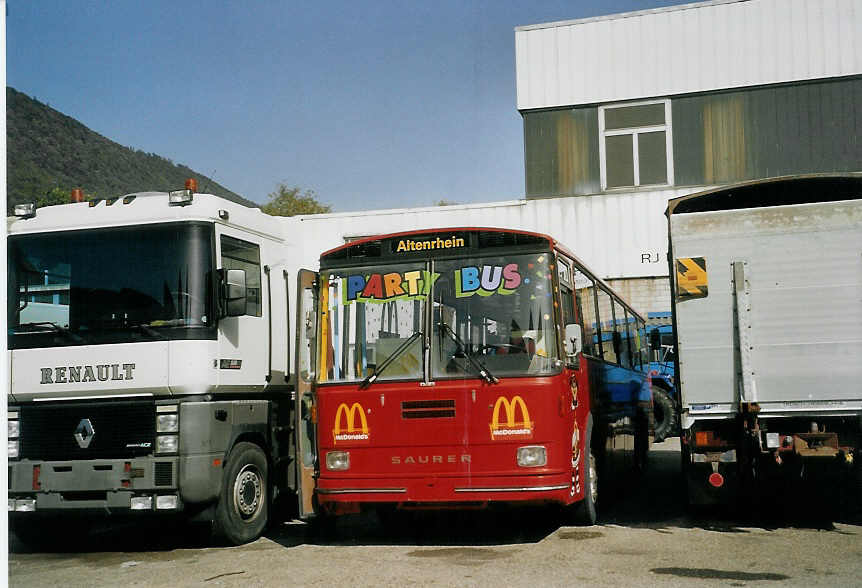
[(644, 541)]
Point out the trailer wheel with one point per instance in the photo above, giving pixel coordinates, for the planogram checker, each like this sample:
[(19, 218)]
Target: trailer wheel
[(665, 414), (243, 509), (584, 512)]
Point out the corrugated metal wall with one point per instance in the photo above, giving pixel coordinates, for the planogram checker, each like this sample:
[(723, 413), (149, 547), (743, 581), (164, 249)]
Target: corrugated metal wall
[(617, 235), (684, 49)]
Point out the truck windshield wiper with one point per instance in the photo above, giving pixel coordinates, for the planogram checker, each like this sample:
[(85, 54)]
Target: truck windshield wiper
[(54, 327), (483, 371), (371, 378)]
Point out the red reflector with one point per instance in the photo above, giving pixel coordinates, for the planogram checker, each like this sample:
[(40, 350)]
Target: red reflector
[(126, 484), (716, 480), (127, 467), (37, 471), (216, 462)]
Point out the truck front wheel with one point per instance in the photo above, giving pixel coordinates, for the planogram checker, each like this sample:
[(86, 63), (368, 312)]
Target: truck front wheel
[(243, 509)]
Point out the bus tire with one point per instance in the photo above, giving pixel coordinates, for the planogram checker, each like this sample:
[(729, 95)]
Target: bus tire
[(585, 513), (665, 414), (243, 509)]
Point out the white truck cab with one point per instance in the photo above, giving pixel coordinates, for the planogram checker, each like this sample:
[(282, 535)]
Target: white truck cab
[(149, 352)]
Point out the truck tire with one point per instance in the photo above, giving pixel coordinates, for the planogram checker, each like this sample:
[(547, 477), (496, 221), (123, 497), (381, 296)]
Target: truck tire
[(243, 508), (584, 513), (665, 414)]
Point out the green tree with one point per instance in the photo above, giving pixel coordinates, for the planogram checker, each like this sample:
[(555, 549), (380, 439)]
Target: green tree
[(52, 197), (445, 202), (290, 201)]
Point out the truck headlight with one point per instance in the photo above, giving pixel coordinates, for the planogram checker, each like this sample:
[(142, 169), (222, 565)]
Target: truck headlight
[(167, 444), (532, 456), (141, 503), (338, 460), (167, 423), (13, 431)]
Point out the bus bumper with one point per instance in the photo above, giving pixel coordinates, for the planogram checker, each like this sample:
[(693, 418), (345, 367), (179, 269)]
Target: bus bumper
[(552, 488)]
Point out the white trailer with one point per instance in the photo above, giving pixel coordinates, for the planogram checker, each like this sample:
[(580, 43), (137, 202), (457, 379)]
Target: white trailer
[(767, 309), (149, 352)]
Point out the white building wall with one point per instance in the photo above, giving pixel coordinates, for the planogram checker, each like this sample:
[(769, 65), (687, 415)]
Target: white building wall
[(696, 47), (616, 235)]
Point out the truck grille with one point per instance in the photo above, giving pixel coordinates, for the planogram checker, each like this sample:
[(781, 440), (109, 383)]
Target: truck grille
[(121, 428)]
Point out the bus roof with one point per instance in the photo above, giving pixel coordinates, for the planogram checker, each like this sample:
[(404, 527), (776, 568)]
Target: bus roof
[(442, 241)]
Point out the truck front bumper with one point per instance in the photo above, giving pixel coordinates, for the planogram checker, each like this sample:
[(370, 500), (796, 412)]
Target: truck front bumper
[(108, 485)]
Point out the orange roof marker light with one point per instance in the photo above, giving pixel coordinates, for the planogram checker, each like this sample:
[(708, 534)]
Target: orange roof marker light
[(183, 197), (77, 195)]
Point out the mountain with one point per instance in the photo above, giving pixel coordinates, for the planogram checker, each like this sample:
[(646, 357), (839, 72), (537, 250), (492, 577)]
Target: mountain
[(49, 153)]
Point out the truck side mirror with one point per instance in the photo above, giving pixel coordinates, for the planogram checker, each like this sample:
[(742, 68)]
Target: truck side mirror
[(574, 341), (655, 340), (234, 292)]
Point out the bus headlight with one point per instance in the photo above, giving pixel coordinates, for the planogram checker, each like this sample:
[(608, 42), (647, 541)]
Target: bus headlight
[(532, 456), (167, 444), (338, 460)]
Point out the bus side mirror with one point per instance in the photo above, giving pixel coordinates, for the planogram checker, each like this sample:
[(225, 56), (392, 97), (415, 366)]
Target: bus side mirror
[(234, 292), (574, 341), (655, 340)]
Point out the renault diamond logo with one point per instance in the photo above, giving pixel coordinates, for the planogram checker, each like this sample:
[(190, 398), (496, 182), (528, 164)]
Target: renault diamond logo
[(84, 433)]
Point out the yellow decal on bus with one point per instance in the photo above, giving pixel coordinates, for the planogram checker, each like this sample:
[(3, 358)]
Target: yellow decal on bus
[(510, 428), (354, 430)]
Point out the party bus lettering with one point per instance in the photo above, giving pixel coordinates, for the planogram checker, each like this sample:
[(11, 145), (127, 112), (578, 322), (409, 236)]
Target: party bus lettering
[(387, 287), (491, 279)]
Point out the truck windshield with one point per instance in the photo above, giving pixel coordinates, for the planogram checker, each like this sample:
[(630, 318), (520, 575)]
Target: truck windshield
[(120, 285), (491, 316)]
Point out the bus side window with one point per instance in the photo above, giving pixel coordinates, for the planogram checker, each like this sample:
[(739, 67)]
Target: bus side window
[(606, 326), (585, 299)]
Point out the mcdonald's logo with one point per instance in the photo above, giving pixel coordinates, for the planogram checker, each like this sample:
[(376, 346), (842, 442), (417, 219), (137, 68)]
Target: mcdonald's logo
[(510, 428), (355, 429)]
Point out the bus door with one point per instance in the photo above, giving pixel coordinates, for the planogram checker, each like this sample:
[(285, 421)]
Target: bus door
[(305, 408)]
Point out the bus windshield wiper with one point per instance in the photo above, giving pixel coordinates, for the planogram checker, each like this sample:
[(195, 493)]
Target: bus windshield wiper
[(371, 378), (54, 327), (483, 371)]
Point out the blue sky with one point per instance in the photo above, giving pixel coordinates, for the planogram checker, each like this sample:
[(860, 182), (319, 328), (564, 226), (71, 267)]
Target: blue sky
[(371, 105)]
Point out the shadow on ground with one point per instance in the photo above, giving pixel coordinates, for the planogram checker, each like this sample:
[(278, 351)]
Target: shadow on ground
[(655, 501)]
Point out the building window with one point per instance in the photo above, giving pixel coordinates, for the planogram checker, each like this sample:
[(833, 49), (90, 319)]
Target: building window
[(636, 145)]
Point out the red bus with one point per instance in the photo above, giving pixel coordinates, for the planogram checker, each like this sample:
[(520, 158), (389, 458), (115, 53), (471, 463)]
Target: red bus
[(455, 368)]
